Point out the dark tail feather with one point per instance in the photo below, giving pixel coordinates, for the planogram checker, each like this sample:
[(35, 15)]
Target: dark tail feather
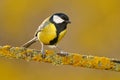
[(30, 42)]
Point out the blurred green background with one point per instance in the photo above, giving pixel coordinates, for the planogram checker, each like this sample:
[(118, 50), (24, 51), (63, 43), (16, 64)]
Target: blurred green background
[(95, 30)]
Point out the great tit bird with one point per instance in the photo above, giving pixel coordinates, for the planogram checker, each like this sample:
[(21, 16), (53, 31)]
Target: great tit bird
[(51, 31)]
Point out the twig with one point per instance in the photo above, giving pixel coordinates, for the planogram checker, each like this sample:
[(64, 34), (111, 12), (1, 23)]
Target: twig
[(74, 59)]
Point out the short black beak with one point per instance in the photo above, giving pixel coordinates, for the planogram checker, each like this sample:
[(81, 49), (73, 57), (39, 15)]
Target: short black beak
[(68, 21)]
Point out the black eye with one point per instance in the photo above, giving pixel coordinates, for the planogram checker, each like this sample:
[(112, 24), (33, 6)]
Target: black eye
[(64, 17)]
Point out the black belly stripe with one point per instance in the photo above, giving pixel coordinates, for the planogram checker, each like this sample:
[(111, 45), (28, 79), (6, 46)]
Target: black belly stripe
[(54, 41), (59, 29)]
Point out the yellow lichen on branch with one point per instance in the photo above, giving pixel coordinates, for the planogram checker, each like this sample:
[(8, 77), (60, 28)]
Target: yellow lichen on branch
[(74, 59)]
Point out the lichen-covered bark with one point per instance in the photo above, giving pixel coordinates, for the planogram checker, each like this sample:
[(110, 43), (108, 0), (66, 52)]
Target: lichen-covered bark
[(74, 59)]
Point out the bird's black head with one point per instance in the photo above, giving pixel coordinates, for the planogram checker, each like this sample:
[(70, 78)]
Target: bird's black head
[(59, 18)]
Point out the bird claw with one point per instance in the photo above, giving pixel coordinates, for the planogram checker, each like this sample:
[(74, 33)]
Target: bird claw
[(63, 53), (43, 55)]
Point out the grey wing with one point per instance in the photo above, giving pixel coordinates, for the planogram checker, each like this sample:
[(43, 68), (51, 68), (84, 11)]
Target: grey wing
[(41, 27)]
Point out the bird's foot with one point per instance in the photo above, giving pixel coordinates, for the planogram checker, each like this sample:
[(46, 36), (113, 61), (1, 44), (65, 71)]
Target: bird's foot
[(62, 53), (43, 54)]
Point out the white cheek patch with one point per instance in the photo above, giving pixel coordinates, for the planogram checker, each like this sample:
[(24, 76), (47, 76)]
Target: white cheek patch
[(57, 19)]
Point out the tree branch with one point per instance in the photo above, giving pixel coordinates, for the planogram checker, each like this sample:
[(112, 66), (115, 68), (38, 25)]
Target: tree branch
[(74, 59)]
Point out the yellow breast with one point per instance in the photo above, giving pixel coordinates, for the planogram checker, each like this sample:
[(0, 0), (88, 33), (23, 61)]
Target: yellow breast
[(47, 34)]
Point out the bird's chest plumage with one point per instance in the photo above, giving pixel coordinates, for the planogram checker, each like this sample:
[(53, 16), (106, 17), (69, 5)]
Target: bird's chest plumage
[(49, 35)]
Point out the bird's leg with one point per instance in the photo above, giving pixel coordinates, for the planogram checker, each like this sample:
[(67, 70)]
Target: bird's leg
[(62, 53), (42, 50)]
